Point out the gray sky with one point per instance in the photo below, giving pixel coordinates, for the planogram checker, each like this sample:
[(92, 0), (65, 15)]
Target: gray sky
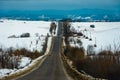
[(58, 4)]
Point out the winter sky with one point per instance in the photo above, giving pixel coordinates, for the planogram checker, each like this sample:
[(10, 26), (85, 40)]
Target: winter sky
[(58, 4)]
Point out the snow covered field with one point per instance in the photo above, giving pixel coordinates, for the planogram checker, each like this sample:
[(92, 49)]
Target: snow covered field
[(38, 31), (107, 34), (14, 27)]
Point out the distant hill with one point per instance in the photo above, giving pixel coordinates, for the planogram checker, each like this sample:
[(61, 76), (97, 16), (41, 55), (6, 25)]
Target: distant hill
[(78, 14)]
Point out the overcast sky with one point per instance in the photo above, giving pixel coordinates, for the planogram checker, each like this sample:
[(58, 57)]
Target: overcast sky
[(58, 4)]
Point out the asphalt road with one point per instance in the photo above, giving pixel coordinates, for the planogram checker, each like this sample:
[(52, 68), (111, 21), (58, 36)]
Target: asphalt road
[(51, 68)]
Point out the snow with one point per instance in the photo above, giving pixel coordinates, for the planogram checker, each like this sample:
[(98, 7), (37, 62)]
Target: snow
[(19, 43), (19, 27), (38, 31), (48, 45), (24, 62), (73, 43), (4, 72), (107, 34)]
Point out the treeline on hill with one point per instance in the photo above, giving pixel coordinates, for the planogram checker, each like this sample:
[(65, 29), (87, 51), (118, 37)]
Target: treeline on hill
[(105, 64), (11, 57)]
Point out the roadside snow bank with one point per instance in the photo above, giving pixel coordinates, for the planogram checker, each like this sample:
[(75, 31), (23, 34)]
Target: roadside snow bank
[(4, 72), (24, 62)]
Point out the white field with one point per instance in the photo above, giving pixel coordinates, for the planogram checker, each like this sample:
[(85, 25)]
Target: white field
[(16, 27), (106, 33)]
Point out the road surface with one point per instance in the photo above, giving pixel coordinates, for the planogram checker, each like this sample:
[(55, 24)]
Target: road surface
[(51, 68)]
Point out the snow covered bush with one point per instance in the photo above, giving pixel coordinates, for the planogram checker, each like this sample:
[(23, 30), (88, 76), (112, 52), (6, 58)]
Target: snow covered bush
[(24, 62)]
